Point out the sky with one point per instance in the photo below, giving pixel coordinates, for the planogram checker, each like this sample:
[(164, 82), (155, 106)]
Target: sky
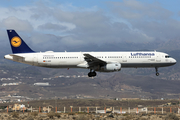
[(72, 25)]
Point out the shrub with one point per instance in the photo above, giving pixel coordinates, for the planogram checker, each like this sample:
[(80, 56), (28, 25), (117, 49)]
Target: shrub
[(51, 115), (29, 118), (111, 115), (15, 115), (129, 117), (71, 113), (126, 114), (83, 117), (34, 114), (82, 113), (171, 116), (58, 115)]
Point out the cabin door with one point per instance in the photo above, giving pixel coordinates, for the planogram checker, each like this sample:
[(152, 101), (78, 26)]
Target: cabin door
[(35, 59), (158, 57), (124, 58)]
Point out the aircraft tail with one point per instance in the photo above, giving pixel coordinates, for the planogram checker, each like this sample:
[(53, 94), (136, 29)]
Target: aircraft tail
[(17, 43)]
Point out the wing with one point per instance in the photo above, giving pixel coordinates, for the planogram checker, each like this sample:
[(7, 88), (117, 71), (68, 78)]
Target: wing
[(93, 61)]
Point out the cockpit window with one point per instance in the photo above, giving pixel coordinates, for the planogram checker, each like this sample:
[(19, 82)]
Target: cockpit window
[(167, 56)]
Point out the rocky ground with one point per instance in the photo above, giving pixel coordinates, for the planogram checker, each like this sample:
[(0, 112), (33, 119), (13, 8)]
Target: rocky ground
[(85, 116)]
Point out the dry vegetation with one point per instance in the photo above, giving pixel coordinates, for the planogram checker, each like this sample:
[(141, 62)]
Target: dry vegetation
[(91, 116), (97, 102)]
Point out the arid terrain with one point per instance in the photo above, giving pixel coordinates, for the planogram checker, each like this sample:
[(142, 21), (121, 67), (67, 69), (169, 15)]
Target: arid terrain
[(84, 116)]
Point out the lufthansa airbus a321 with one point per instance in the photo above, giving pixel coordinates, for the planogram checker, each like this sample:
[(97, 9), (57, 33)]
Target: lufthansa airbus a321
[(95, 61)]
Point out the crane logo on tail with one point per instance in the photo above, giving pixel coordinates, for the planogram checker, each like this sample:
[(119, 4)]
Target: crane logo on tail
[(15, 41)]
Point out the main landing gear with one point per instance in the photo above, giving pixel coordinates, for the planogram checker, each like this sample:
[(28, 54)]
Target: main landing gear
[(157, 73), (91, 74)]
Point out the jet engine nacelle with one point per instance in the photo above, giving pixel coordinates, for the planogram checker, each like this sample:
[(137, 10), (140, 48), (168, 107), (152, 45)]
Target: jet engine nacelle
[(111, 67)]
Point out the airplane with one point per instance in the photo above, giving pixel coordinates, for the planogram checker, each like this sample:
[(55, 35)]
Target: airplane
[(95, 61)]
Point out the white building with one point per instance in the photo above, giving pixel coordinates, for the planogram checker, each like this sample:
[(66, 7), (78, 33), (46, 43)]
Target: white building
[(42, 84)]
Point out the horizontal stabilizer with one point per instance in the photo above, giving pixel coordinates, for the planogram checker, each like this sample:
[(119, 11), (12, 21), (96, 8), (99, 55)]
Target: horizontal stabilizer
[(16, 56)]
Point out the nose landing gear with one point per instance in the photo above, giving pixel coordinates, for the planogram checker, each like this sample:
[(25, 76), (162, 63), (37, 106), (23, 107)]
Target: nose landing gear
[(157, 73), (92, 74)]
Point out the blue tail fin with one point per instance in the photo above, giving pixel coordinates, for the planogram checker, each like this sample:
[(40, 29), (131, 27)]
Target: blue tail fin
[(17, 43)]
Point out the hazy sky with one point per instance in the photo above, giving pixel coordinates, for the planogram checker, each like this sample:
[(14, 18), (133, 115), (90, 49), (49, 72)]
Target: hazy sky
[(66, 24)]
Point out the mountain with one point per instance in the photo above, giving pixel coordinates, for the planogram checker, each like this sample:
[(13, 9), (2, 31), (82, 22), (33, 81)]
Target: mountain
[(73, 83), (170, 45)]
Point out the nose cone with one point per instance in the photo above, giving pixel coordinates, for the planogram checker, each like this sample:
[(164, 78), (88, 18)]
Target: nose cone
[(173, 61)]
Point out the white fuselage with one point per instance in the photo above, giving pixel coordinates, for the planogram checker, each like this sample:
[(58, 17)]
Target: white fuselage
[(76, 59)]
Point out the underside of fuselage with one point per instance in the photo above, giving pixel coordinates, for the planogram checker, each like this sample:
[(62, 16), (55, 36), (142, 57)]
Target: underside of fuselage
[(123, 65)]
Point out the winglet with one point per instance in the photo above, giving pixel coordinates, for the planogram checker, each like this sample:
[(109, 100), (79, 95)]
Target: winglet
[(17, 43)]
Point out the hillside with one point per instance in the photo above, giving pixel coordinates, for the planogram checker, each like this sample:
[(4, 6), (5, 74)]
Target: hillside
[(74, 83)]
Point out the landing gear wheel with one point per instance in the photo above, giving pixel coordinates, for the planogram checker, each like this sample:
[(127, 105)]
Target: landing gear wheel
[(157, 74), (89, 74), (92, 74)]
